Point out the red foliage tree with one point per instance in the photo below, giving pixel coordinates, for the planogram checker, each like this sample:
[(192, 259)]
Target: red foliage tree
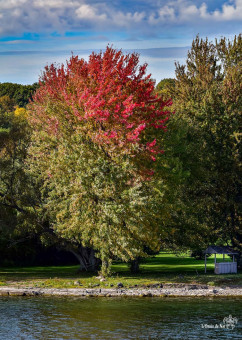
[(108, 98)]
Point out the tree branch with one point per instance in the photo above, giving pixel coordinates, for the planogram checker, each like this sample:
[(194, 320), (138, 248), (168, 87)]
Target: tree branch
[(13, 206)]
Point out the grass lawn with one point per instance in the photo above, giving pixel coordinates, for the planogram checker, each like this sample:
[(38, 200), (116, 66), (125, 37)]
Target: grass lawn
[(162, 268)]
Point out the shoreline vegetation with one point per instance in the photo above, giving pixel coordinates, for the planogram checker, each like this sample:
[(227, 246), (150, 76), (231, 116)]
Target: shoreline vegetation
[(163, 275)]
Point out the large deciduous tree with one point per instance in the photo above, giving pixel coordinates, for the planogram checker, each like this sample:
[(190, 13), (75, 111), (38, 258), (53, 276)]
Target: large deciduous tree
[(97, 131)]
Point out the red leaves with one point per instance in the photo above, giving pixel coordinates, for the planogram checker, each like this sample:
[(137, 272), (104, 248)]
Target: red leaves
[(109, 97), (134, 135), (112, 134), (149, 145)]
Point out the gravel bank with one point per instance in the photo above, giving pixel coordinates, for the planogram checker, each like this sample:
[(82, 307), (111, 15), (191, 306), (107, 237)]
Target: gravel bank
[(165, 291)]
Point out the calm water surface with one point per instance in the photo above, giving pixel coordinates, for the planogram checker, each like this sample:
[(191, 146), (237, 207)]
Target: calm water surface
[(118, 318)]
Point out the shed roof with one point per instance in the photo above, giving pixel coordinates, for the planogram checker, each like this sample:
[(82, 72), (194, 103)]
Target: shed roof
[(220, 250)]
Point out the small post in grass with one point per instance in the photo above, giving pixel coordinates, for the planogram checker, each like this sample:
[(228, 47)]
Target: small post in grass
[(205, 263)]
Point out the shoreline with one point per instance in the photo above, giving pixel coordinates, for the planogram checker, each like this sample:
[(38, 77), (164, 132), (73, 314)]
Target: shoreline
[(186, 291)]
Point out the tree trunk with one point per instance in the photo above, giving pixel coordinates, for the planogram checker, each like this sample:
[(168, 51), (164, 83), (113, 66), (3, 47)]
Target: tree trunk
[(86, 257), (134, 266), (106, 264)]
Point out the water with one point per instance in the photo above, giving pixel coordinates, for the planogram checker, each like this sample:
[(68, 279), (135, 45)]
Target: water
[(117, 318)]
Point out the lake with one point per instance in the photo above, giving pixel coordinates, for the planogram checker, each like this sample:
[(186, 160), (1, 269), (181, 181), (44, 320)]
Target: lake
[(120, 318)]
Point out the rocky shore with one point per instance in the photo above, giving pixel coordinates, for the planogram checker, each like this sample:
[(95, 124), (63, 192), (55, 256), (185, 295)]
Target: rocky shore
[(162, 291)]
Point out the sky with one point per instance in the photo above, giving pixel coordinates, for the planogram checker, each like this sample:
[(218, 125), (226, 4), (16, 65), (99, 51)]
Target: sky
[(34, 33)]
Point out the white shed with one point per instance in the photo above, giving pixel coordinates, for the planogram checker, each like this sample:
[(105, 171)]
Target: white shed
[(221, 267)]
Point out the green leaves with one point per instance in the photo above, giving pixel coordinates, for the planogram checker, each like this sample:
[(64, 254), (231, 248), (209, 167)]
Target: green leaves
[(99, 202), (96, 129), (206, 100)]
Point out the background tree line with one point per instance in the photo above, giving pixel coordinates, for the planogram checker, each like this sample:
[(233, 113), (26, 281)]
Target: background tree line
[(82, 169)]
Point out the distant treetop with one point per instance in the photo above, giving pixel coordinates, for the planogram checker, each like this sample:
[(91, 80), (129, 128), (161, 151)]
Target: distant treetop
[(20, 94)]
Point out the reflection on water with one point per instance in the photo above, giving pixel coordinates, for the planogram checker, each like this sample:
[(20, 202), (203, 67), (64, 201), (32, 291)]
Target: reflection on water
[(117, 318)]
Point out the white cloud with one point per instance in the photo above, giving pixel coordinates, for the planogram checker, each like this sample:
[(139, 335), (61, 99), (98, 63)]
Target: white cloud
[(187, 13), (11, 4), (126, 20), (203, 11), (167, 13), (87, 12), (55, 4), (18, 16), (230, 12), (164, 14)]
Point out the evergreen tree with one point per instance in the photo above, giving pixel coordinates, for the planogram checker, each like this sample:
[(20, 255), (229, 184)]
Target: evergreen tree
[(207, 103)]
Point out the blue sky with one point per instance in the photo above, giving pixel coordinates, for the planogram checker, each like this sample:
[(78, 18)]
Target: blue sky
[(34, 33)]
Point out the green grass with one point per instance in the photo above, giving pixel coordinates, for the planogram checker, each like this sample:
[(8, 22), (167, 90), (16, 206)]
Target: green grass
[(162, 268)]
